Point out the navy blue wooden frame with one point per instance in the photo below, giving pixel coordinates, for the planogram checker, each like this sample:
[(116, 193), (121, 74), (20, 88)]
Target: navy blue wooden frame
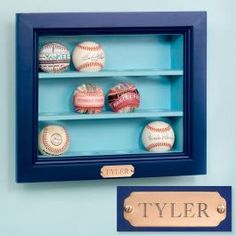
[(124, 191), (30, 26)]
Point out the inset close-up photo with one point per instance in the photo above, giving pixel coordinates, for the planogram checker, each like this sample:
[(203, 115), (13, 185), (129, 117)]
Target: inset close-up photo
[(117, 118)]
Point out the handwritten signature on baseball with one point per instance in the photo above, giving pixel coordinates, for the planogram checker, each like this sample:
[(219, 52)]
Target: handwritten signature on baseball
[(160, 137), (93, 56)]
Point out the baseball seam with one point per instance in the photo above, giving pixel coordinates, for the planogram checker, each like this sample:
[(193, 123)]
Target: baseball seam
[(163, 144), (89, 64), (89, 48), (165, 129)]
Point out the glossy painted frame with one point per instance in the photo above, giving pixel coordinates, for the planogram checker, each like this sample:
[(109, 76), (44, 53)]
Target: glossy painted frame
[(30, 26)]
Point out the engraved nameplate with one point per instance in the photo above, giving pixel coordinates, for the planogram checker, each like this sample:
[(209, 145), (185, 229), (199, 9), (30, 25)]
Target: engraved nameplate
[(117, 171), (175, 209)]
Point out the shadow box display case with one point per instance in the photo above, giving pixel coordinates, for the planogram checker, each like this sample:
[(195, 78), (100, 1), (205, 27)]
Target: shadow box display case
[(110, 95)]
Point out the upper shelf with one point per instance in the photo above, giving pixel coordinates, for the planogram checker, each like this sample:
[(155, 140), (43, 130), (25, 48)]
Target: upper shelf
[(109, 115), (110, 73)]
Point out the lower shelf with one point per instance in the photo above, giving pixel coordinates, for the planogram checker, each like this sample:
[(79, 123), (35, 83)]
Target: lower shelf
[(94, 154)]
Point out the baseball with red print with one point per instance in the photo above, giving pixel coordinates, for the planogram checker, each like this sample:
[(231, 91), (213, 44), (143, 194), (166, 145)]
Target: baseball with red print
[(88, 98), (54, 57), (124, 97), (158, 136), (88, 57)]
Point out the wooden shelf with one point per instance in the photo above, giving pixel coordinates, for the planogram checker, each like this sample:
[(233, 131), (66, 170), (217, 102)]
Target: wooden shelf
[(134, 73), (109, 115)]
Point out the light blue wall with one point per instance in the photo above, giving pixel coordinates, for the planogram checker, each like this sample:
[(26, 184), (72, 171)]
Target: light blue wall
[(89, 208)]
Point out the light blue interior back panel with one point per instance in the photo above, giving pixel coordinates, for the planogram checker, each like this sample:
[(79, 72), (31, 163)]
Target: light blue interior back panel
[(123, 52)]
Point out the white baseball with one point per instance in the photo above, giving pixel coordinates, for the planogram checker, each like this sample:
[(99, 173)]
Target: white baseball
[(53, 140), (88, 57), (54, 57), (158, 136)]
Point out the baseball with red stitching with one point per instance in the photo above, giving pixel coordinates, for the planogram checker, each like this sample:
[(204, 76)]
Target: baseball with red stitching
[(124, 97), (88, 57), (54, 57), (88, 98), (158, 136), (53, 140)]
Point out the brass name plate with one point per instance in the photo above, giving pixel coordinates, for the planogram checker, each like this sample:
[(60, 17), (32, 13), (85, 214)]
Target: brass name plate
[(175, 209), (117, 171)]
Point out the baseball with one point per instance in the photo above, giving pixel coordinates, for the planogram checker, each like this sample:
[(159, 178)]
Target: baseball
[(53, 140), (54, 57), (124, 97), (158, 136), (88, 98), (88, 57)]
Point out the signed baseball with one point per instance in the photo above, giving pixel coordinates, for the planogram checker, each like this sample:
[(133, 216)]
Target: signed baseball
[(53, 140), (54, 57), (158, 136), (124, 97), (88, 57), (88, 98)]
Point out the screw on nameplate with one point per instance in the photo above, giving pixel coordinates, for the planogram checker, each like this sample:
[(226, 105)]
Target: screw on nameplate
[(117, 171), (221, 209), (128, 208)]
